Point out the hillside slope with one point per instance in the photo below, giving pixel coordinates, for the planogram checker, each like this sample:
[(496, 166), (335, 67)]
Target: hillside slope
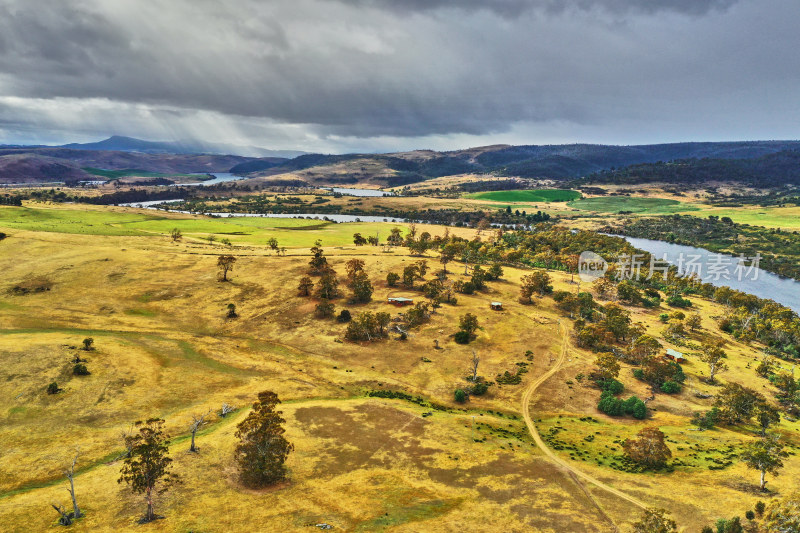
[(558, 162), (115, 160), (28, 168)]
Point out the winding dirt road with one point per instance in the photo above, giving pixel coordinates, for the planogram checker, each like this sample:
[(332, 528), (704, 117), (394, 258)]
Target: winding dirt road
[(526, 413)]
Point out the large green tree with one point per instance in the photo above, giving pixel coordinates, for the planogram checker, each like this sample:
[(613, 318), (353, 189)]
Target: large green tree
[(147, 468), (262, 450), (765, 455), (648, 449)]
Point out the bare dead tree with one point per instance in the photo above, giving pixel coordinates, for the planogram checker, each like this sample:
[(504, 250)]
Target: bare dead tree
[(226, 409), (125, 436), (70, 473), (65, 519), (475, 361), (197, 421)]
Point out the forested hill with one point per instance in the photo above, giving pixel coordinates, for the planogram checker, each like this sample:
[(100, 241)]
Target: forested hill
[(782, 168), (559, 162)]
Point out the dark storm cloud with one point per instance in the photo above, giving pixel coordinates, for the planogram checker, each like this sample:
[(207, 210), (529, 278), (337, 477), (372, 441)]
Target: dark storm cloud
[(320, 71), (513, 8)]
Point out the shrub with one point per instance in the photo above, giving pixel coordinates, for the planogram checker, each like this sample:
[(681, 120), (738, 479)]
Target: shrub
[(53, 388), (706, 420), (638, 373), (663, 317), (610, 405), (462, 337), (460, 396), (670, 387), (344, 316), (760, 507), (29, 286), (80, 370), (611, 385), (324, 309), (467, 288), (636, 407), (750, 515), (677, 301), (479, 388)]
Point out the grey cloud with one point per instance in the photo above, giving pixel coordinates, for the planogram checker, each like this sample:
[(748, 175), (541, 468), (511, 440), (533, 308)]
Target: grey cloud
[(328, 69), (515, 8)]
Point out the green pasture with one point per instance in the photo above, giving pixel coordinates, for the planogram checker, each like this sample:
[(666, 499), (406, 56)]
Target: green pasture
[(534, 195), (116, 174), (290, 232), (647, 206)]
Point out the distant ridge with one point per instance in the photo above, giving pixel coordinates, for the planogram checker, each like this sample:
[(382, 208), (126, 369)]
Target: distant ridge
[(557, 162), (120, 143)]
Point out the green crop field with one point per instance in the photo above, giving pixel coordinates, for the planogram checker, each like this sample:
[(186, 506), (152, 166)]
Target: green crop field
[(534, 195), (116, 174), (648, 206)]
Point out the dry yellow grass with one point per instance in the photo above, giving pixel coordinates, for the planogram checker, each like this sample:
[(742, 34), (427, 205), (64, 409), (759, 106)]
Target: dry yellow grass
[(164, 348)]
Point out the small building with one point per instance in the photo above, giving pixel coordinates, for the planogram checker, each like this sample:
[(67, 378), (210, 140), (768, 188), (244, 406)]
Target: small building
[(497, 306), (400, 301), (675, 355)]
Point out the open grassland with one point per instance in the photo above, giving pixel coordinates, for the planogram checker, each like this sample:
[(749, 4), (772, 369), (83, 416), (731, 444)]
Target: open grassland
[(534, 195), (163, 347), (91, 220), (787, 218)]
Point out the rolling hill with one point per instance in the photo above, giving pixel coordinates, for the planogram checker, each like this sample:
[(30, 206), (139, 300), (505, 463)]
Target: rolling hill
[(558, 162), (27, 168), (120, 143)]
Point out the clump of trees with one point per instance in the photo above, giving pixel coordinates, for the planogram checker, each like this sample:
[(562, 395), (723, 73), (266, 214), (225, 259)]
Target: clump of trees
[(648, 449), (478, 385), (537, 282), (147, 468), (262, 450), (467, 324), (367, 326)]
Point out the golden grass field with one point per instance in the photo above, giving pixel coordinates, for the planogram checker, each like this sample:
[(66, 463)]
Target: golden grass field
[(164, 348)]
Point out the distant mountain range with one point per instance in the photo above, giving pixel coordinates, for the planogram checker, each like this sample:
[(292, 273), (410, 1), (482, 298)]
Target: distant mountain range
[(558, 162), (129, 144), (28, 164)]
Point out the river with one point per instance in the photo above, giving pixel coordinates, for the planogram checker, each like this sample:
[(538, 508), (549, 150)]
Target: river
[(360, 192), (219, 177), (720, 270)]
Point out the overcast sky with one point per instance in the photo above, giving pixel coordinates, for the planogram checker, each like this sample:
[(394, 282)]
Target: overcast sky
[(385, 75)]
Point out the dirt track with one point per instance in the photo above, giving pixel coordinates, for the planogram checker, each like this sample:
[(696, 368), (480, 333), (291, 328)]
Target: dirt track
[(526, 413)]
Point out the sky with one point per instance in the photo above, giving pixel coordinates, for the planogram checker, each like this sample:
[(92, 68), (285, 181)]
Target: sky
[(340, 76)]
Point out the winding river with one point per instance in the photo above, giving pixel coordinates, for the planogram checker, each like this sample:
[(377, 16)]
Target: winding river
[(758, 282)]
